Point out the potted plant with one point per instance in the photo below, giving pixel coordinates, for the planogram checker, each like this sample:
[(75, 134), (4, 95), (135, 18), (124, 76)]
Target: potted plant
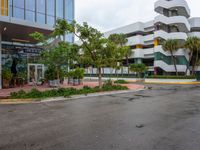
[(76, 76), (51, 77), (7, 76)]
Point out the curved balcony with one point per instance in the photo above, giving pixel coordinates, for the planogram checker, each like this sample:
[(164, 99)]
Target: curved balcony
[(169, 68), (192, 34), (173, 35), (180, 5), (140, 40), (180, 21), (137, 53), (180, 52), (136, 40)]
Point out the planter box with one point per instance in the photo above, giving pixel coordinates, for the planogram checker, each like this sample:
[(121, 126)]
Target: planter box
[(54, 83), (75, 82)]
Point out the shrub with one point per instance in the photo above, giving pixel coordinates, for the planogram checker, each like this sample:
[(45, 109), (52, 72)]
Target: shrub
[(108, 82), (34, 93), (121, 82)]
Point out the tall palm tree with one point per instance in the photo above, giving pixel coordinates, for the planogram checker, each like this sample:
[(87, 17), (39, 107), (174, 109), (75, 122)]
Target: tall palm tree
[(172, 45), (192, 44)]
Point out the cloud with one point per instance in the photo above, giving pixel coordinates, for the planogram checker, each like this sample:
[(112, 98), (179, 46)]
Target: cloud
[(109, 14)]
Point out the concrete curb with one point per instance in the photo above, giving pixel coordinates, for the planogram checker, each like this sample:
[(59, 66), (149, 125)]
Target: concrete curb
[(89, 95), (180, 83), (56, 99)]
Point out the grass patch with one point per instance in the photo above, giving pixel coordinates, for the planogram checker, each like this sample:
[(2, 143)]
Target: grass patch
[(66, 92)]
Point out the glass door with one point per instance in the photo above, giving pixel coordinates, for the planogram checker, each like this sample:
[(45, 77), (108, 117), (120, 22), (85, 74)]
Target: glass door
[(35, 73)]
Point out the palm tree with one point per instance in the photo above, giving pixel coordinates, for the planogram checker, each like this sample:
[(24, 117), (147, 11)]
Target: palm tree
[(121, 40), (193, 45), (172, 45)]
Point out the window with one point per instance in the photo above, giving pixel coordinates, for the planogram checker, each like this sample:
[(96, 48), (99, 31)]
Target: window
[(59, 9), (18, 9), (30, 10), (51, 12), (41, 11), (69, 10)]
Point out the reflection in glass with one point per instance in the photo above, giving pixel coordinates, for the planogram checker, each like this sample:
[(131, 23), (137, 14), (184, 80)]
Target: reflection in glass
[(18, 9), (41, 11), (30, 10), (50, 12), (69, 10), (59, 9)]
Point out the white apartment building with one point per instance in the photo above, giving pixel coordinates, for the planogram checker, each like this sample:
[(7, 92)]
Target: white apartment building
[(145, 39)]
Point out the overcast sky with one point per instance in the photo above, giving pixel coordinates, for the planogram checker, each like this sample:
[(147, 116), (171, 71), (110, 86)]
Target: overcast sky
[(109, 14)]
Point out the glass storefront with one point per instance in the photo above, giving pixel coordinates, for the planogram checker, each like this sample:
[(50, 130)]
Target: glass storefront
[(16, 58)]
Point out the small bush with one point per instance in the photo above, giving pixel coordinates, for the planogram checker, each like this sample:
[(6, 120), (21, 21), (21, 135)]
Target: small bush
[(108, 82), (121, 82)]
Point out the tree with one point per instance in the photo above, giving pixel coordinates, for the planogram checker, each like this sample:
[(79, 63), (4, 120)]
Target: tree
[(193, 45), (59, 54), (95, 49), (172, 45), (138, 68), (120, 40), (94, 46)]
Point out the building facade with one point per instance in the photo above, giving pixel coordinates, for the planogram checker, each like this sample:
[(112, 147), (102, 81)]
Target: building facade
[(145, 39), (19, 18)]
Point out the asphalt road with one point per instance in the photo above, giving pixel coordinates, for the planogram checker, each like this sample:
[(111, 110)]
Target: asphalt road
[(164, 118)]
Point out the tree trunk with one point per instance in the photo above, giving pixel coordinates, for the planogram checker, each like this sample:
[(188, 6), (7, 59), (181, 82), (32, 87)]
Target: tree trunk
[(57, 74), (174, 61), (100, 77), (127, 63), (188, 66), (193, 66), (197, 58)]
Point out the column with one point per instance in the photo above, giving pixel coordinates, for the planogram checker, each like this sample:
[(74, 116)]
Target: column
[(0, 63)]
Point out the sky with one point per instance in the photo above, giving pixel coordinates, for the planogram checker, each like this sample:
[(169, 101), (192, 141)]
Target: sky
[(110, 14)]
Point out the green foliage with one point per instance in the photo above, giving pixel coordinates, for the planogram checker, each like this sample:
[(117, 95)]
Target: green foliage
[(78, 73), (7, 75), (66, 92), (193, 45), (170, 77), (171, 45), (50, 73), (22, 75), (108, 82), (122, 51), (138, 68), (57, 53), (121, 82)]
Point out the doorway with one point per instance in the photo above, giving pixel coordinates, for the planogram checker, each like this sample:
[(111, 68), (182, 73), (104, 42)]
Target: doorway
[(35, 73)]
